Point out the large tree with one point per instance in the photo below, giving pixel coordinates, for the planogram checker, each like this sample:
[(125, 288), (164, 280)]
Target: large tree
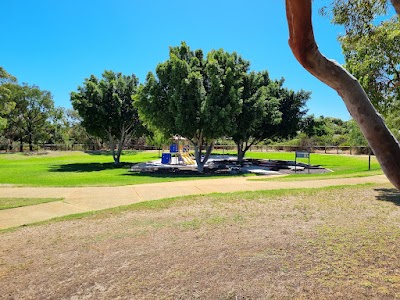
[(372, 53), (195, 97), (269, 111), (292, 109), (106, 108), (259, 110), (305, 49), (373, 57), (30, 118), (6, 104), (77, 134)]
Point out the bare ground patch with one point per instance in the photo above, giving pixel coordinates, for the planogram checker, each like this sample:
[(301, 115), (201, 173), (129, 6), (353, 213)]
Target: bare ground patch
[(339, 243)]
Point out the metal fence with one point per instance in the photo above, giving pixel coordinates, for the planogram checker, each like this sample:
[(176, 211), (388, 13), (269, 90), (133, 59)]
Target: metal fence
[(352, 150), (16, 147)]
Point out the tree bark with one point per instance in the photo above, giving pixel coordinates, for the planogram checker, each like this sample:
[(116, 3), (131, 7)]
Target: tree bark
[(198, 151), (112, 148), (30, 142), (197, 155), (119, 149), (240, 152), (303, 45), (10, 144), (243, 147), (396, 5)]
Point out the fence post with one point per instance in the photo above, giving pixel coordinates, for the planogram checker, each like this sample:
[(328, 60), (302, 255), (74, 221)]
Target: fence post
[(369, 159)]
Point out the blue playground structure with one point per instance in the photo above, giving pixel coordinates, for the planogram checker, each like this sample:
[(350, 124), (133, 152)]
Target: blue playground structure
[(178, 154)]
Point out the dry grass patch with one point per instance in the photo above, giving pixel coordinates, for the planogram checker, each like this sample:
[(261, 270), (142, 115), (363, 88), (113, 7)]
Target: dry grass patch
[(336, 243), (7, 203)]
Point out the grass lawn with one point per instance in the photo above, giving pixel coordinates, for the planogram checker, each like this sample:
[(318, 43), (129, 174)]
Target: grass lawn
[(330, 243), (77, 169), (85, 169), (7, 203), (342, 165)]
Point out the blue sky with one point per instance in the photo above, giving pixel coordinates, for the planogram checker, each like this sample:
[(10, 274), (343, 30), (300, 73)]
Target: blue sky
[(57, 44)]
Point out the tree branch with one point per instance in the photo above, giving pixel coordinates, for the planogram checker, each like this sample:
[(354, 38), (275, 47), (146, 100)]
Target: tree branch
[(396, 5), (305, 49)]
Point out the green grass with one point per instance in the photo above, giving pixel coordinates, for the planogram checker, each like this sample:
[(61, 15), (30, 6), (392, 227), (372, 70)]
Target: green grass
[(343, 166), (7, 203), (80, 169), (85, 169)]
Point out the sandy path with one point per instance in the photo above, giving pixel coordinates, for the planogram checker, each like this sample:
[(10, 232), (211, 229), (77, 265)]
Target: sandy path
[(84, 199)]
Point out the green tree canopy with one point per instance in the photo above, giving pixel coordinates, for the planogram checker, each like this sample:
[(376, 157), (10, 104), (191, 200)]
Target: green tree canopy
[(372, 51), (374, 59), (269, 111), (106, 108), (6, 103), (259, 110), (195, 97), (30, 118), (292, 109), (355, 15)]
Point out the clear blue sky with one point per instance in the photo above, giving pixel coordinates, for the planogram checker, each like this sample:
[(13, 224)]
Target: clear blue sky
[(56, 44)]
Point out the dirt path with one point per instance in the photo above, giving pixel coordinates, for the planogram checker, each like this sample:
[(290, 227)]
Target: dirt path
[(84, 199)]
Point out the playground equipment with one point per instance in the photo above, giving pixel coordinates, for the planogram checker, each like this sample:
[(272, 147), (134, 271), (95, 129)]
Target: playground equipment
[(188, 158), (178, 154)]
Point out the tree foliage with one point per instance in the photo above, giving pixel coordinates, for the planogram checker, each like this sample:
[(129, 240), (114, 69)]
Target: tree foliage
[(6, 103), (372, 52), (292, 109), (195, 97), (106, 108), (269, 111), (259, 109), (305, 49), (356, 16), (374, 59), (371, 49), (313, 126), (30, 118)]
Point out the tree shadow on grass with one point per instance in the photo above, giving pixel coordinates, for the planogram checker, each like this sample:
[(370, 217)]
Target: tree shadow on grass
[(172, 173), (89, 167), (108, 153), (390, 195)]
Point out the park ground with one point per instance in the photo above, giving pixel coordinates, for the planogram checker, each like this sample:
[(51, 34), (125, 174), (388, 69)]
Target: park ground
[(331, 242)]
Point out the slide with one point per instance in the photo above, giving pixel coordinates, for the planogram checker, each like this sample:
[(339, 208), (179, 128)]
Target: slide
[(187, 159)]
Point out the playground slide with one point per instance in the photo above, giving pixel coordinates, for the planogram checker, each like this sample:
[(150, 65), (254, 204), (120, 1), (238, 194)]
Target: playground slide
[(187, 159)]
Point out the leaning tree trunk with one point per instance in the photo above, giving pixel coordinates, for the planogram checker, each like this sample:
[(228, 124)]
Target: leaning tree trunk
[(120, 146), (396, 5), (305, 49), (112, 148), (119, 151), (198, 153), (242, 148)]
